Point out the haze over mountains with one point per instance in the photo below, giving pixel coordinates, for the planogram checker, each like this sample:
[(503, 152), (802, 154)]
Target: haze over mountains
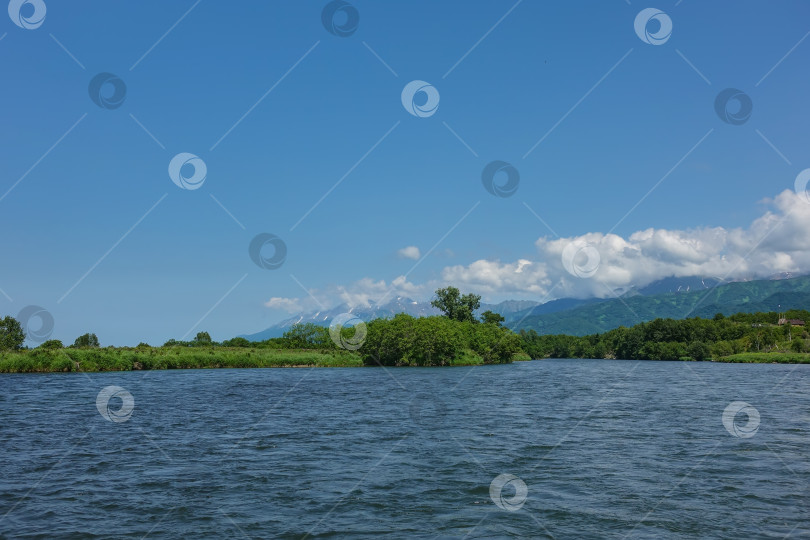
[(667, 298)]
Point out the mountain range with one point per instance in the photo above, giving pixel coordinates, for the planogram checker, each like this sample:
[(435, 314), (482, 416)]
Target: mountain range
[(631, 309), (675, 298)]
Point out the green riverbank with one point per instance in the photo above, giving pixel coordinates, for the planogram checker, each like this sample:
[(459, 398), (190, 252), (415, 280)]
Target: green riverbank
[(124, 359), (767, 358), (156, 358)]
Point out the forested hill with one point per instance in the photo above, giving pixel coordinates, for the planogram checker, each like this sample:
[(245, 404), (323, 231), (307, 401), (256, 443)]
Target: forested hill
[(743, 337), (746, 297)]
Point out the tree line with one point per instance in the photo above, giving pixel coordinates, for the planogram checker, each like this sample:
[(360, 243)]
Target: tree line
[(459, 337), (12, 338), (684, 339), (456, 336)]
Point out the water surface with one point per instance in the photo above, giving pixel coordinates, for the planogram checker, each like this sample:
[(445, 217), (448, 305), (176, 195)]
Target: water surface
[(606, 449)]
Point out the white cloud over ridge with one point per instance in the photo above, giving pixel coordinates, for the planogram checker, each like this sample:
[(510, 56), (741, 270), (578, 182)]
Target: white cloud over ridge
[(290, 305), (777, 241)]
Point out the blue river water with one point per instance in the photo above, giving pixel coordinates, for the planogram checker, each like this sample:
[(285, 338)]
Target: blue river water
[(593, 449)]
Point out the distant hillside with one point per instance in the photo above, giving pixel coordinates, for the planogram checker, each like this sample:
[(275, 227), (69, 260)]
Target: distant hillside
[(669, 297), (554, 306), (679, 285), (747, 297)]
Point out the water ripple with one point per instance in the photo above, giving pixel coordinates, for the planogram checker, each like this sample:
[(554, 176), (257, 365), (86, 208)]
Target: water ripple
[(607, 449)]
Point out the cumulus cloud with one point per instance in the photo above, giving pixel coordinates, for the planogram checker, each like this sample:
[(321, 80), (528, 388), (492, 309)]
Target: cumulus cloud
[(598, 264), (367, 291), (777, 241), (410, 252), (290, 305), (525, 277), (363, 292)]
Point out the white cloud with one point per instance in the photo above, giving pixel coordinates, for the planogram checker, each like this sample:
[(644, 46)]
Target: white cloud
[(367, 291), (522, 277), (410, 252), (777, 241), (290, 305), (363, 292)]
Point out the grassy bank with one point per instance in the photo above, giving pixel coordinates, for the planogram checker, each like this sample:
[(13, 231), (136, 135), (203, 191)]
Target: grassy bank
[(125, 359), (767, 358), (151, 358), (457, 338)]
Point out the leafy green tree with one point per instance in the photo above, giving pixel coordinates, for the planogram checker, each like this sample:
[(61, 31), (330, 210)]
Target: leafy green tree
[(12, 335), (456, 306), (490, 317), (493, 343), (86, 341), (669, 339), (698, 351), (203, 338), (389, 342), (630, 342), (436, 341), (721, 349), (675, 351), (52, 344), (237, 342), (307, 336)]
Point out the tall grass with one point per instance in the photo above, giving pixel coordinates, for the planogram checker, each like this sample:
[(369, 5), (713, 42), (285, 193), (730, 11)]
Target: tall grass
[(126, 359), (767, 358)]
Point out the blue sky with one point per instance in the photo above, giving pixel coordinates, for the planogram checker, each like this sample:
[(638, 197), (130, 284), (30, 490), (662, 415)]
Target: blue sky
[(88, 194)]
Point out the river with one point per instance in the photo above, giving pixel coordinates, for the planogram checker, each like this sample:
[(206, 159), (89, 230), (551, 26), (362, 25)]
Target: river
[(542, 449)]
